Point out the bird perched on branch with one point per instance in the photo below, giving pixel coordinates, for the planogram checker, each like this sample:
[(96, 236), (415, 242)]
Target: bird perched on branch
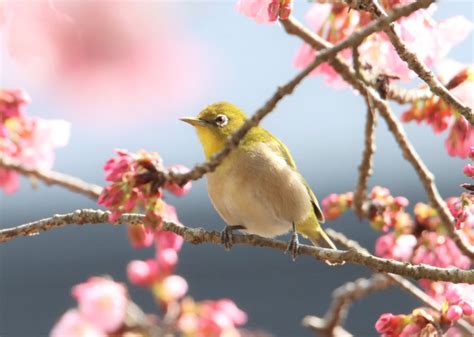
[(257, 187)]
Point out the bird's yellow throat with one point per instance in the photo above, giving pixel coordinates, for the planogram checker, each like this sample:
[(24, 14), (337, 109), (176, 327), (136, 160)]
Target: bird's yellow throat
[(211, 141)]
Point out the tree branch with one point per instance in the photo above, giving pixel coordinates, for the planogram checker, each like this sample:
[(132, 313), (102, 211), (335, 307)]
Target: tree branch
[(342, 298), (415, 64), (353, 40), (365, 166), (53, 178), (402, 96), (295, 28), (200, 235)]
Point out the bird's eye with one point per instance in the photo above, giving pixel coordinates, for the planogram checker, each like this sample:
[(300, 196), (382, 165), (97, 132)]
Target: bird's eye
[(221, 120)]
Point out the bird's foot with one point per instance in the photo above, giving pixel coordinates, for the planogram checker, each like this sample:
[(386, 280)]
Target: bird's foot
[(227, 238), (293, 246)]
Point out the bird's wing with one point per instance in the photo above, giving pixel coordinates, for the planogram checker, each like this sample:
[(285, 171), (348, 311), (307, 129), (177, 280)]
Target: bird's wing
[(278, 146)]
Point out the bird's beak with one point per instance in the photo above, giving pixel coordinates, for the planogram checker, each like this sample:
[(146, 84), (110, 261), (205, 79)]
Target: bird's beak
[(192, 120)]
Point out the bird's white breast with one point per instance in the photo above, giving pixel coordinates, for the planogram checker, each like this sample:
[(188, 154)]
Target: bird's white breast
[(258, 190)]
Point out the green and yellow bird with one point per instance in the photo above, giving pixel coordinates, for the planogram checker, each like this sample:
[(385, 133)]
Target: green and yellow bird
[(257, 188)]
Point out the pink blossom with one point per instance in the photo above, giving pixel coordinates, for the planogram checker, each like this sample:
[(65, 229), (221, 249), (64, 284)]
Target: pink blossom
[(401, 201), (460, 138), (12, 103), (399, 248), (140, 236), (73, 324), (37, 148), (410, 330), (115, 167), (167, 259), (467, 307), (469, 170), (96, 58), (388, 323), (219, 318), (143, 273), (454, 313), (9, 181), (404, 246), (171, 288), (230, 309), (102, 302), (430, 40), (175, 188), (384, 245), (336, 204), (439, 250), (256, 9), (169, 240), (454, 293)]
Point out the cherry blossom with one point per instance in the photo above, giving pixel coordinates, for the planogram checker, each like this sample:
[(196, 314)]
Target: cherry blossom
[(31, 141), (106, 60), (73, 324), (102, 302)]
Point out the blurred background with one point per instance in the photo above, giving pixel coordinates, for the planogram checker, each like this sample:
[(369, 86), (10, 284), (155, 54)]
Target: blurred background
[(187, 54)]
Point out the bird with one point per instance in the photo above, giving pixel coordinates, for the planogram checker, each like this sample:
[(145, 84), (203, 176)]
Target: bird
[(257, 188)]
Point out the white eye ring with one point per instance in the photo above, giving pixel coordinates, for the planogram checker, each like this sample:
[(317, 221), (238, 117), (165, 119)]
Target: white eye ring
[(221, 120)]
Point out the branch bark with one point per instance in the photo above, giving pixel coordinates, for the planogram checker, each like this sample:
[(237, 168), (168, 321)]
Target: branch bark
[(200, 235), (53, 178), (348, 293), (365, 166)]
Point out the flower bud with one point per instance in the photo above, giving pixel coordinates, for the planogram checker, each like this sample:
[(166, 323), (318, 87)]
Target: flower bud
[(454, 313)]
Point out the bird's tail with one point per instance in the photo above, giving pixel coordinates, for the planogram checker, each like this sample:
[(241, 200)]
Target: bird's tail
[(321, 239)]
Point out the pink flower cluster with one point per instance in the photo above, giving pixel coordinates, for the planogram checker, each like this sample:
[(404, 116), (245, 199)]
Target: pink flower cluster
[(441, 116), (382, 209), (462, 209), (97, 59), (459, 301), (265, 11), (195, 319), (334, 22), (334, 205), (28, 140), (418, 323), (385, 211), (135, 179), (439, 250), (210, 318), (399, 248), (157, 274), (101, 310)]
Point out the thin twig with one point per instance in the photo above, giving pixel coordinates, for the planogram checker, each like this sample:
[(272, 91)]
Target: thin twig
[(402, 96), (365, 166), (353, 40), (200, 235), (53, 178), (318, 325), (417, 65), (342, 298), (295, 28)]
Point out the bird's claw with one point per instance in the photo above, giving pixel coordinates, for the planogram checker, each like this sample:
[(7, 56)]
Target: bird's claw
[(293, 246), (227, 238)]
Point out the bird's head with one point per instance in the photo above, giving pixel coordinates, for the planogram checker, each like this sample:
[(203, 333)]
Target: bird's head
[(215, 123)]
